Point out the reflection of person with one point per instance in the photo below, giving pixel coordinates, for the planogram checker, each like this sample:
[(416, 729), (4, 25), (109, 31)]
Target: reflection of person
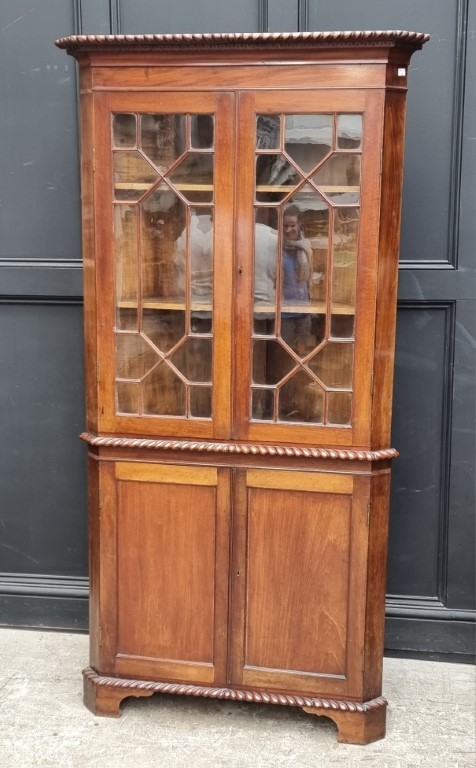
[(200, 235), (297, 255)]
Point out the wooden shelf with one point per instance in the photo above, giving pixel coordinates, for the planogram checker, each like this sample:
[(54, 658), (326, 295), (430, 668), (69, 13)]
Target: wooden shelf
[(139, 185), (143, 185), (313, 308), (170, 303), (334, 189)]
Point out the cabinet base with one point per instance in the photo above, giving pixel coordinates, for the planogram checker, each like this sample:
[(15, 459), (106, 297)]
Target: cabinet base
[(357, 723)]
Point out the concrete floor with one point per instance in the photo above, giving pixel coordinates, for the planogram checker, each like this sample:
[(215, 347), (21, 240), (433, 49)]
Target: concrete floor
[(43, 723)]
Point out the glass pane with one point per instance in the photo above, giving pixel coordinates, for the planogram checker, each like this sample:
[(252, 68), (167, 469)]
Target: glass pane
[(303, 277), (202, 131), (163, 138), (133, 175), (333, 364), (267, 131), (339, 179), (201, 262), (134, 356), (193, 177), (164, 393), (339, 408), (163, 219), (127, 397), (201, 402), (349, 131), (342, 325), (127, 319), (262, 403), (265, 267), (308, 139), (125, 236), (194, 359), (346, 230), (275, 178), (312, 235), (301, 399), (124, 131), (163, 327), (271, 362), (201, 324)]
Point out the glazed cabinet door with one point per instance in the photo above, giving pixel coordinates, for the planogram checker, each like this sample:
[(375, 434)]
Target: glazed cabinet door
[(298, 581), (163, 187), (306, 248), (163, 575)]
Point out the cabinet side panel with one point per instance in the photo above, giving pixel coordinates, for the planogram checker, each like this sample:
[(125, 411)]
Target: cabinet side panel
[(376, 582), (93, 535), (166, 564), (89, 247), (392, 177)]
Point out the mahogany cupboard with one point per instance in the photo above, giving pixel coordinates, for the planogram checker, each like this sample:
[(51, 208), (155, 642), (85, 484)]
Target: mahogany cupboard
[(241, 208)]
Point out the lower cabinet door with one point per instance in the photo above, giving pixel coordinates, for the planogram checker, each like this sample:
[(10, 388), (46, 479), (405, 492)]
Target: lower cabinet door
[(172, 568), (299, 582)]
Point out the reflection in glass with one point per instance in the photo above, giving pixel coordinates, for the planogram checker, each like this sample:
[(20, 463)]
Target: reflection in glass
[(339, 179), (265, 266), (201, 260), (194, 359), (339, 408), (193, 177), (314, 234), (271, 362), (133, 175), (162, 138), (134, 356), (202, 131), (262, 403), (164, 327), (301, 399), (308, 139), (275, 177), (164, 393), (333, 365), (164, 263), (305, 259), (346, 227), (349, 131), (127, 397), (201, 402), (127, 319), (125, 237), (163, 218), (267, 131), (124, 131)]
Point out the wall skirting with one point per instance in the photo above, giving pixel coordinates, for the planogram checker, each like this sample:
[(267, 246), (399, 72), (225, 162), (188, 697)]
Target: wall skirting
[(44, 602), (422, 625)]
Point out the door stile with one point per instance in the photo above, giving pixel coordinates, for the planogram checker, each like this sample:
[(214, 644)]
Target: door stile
[(244, 261)]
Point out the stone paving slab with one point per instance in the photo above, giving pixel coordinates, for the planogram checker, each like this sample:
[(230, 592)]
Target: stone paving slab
[(44, 724)]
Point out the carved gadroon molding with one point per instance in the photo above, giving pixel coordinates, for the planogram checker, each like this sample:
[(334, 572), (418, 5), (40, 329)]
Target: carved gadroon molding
[(380, 38), (239, 448), (232, 694)]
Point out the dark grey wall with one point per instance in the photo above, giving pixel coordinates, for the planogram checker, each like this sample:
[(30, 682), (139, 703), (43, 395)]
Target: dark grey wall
[(43, 561)]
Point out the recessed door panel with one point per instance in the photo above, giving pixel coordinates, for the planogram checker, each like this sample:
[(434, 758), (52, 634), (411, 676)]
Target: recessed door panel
[(297, 612), (172, 544)]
